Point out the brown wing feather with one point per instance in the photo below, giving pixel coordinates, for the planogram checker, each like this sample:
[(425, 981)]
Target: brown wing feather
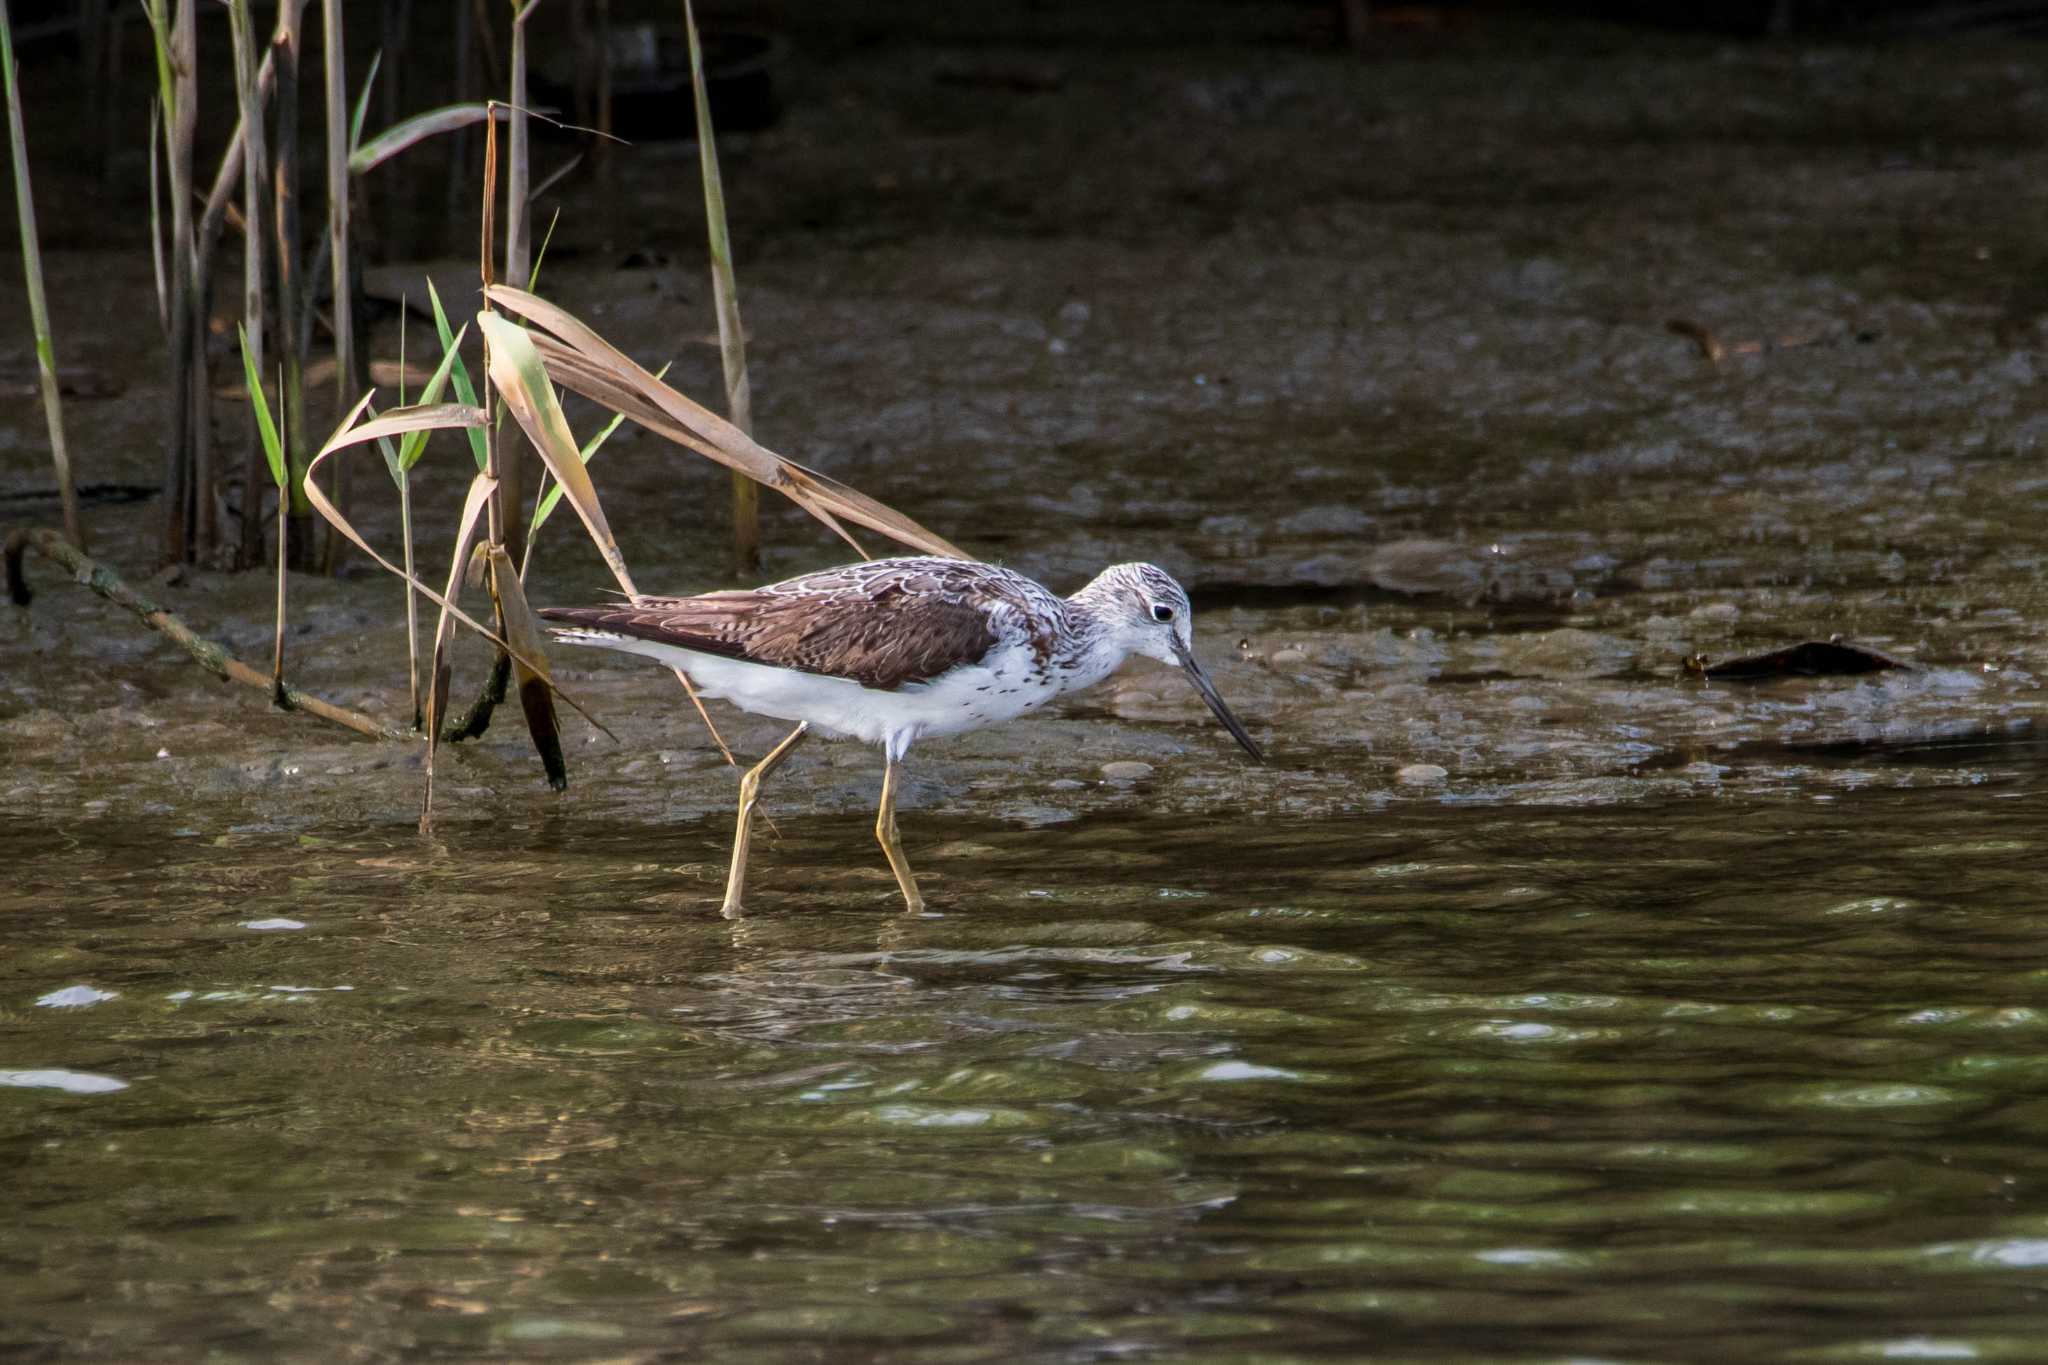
[(885, 640)]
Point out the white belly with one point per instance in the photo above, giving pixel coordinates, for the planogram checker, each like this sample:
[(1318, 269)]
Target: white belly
[(1002, 687)]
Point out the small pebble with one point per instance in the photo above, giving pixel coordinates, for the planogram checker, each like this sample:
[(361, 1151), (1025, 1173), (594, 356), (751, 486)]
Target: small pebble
[(1285, 657), (1128, 771), (1420, 774), (1717, 611)]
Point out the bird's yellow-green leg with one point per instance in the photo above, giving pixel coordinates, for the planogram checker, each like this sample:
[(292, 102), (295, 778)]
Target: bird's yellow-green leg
[(750, 790), (885, 830)]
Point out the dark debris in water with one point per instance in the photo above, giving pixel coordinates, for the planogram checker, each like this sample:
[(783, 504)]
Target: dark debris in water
[(1830, 658)]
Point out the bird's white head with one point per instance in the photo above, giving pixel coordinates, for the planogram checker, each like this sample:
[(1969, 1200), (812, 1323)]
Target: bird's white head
[(1141, 610)]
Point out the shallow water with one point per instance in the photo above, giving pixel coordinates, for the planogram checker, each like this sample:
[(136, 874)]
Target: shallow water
[(1536, 1002), (1705, 1077)]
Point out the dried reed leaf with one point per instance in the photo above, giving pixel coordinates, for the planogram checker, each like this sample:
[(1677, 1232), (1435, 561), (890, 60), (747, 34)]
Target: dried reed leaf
[(346, 435), (545, 508), (523, 629), (522, 381), (481, 489), (728, 444), (415, 130), (591, 378), (419, 417), (341, 440), (584, 362)]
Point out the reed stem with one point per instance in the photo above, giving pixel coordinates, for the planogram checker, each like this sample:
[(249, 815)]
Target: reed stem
[(175, 35), (511, 526), (412, 617), (32, 268), (346, 380), (277, 648), (255, 241), (732, 341), (294, 303)]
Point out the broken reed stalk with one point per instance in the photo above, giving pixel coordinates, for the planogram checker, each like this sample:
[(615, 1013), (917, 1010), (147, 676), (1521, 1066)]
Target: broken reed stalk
[(255, 241), (483, 489), (32, 268), (520, 628), (477, 719), (732, 343), (335, 71), (211, 656)]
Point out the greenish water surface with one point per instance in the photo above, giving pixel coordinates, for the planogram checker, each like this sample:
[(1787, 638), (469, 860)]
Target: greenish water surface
[(1705, 1079)]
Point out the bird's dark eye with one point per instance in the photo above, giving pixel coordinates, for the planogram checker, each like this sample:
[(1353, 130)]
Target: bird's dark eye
[(1162, 612)]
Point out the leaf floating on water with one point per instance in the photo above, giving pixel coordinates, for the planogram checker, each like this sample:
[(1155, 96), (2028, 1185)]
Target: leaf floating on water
[(1830, 658), (1710, 346), (1715, 351)]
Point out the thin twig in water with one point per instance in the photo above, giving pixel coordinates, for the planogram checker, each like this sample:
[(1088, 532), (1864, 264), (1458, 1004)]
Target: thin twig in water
[(211, 656)]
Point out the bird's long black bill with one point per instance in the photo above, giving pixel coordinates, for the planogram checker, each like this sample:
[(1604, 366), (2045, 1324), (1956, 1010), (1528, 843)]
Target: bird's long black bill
[(1215, 700)]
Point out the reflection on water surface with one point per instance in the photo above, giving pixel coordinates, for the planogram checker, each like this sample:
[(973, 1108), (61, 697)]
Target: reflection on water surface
[(1626, 1082)]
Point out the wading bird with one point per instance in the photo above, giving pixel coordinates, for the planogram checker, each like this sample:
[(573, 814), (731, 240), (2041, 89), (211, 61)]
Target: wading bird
[(897, 650)]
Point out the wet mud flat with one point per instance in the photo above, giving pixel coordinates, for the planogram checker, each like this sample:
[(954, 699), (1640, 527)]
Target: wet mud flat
[(1604, 987)]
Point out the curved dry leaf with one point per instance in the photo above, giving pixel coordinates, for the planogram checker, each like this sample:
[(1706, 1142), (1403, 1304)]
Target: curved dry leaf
[(522, 381), (409, 132), (345, 436), (523, 629), (585, 362)]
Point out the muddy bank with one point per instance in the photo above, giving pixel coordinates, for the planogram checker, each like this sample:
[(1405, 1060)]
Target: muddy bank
[(1373, 356)]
